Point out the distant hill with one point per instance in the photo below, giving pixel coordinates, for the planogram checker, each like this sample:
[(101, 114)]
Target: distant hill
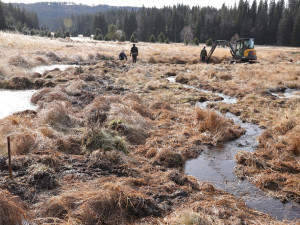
[(48, 12)]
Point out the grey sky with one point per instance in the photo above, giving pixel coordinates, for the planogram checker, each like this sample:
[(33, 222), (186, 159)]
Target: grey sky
[(156, 3)]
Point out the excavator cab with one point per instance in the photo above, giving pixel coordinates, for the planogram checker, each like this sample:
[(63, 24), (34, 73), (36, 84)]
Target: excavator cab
[(244, 49)]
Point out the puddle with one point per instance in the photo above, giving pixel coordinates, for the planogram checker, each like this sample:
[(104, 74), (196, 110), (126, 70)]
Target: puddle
[(15, 101), (43, 69), (288, 93), (216, 165)]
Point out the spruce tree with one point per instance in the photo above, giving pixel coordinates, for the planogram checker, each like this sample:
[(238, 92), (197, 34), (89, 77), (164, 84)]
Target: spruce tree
[(152, 38), (161, 37)]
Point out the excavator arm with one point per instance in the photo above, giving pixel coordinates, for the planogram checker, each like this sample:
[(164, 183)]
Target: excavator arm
[(220, 43)]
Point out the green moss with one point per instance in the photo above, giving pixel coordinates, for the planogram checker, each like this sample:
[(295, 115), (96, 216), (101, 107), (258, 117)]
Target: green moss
[(106, 141)]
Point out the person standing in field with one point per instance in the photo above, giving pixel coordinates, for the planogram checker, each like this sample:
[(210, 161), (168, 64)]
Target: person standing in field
[(203, 54), (134, 53), (123, 56)]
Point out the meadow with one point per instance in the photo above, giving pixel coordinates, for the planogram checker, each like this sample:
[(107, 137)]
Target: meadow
[(109, 140)]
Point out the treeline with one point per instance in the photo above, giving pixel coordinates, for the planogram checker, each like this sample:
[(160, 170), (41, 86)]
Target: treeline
[(14, 18), (272, 23)]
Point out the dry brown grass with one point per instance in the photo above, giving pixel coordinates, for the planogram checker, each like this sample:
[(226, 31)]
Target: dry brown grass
[(11, 209), (160, 125), (218, 127), (112, 203)]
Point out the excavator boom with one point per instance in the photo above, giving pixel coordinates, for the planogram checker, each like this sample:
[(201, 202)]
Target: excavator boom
[(220, 43)]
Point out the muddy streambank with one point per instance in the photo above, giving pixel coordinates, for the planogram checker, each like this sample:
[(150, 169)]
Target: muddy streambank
[(216, 164)]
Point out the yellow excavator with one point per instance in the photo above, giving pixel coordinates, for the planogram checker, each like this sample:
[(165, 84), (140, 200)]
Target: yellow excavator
[(242, 50)]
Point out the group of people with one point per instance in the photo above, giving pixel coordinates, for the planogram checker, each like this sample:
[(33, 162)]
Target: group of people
[(134, 53)]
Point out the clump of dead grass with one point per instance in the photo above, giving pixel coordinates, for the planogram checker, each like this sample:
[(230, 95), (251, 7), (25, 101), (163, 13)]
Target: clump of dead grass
[(56, 115), (113, 203), (161, 105), (49, 95), (53, 57), (75, 87), (183, 79), (286, 124), (218, 127), (23, 142), (19, 61), (169, 159), (11, 209)]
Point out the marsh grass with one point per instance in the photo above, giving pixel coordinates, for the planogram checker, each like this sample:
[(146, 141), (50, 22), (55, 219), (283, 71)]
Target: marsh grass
[(106, 141), (168, 131), (218, 127), (11, 209)]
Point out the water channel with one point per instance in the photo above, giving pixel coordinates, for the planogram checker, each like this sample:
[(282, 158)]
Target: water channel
[(217, 165), (12, 101)]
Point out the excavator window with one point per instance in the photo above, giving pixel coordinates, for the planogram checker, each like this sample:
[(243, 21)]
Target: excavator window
[(249, 44), (239, 48)]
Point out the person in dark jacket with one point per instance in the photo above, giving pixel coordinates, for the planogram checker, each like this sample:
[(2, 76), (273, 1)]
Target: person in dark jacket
[(123, 56), (134, 52), (203, 54)]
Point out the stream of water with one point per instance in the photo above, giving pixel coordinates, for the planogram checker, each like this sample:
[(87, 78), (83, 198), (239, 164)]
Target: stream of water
[(42, 69), (217, 165), (15, 101)]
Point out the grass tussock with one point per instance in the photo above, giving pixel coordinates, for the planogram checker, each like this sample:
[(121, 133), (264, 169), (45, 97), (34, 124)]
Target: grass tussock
[(169, 159), (111, 204), (219, 128), (11, 209), (105, 141), (46, 95), (55, 113), (161, 105), (23, 142), (19, 61)]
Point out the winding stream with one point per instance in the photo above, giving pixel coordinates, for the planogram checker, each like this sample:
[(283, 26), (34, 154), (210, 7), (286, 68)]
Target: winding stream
[(216, 165)]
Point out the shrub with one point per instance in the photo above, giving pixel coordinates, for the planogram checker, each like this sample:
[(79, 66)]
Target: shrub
[(67, 34), (152, 38), (167, 41), (97, 32), (196, 41), (209, 42)]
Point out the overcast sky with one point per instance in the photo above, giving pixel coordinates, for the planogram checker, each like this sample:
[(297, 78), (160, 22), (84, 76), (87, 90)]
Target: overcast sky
[(139, 3)]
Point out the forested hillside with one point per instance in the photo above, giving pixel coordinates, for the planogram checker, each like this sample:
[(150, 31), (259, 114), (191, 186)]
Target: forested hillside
[(269, 23), (15, 18), (50, 14)]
